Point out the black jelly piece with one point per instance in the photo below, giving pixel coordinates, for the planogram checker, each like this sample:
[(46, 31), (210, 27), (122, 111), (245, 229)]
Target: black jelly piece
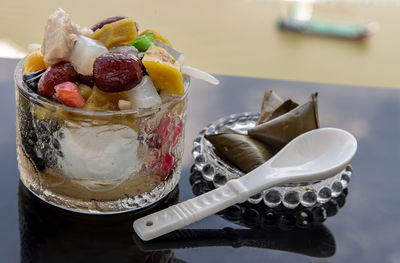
[(32, 79), (87, 80), (144, 71)]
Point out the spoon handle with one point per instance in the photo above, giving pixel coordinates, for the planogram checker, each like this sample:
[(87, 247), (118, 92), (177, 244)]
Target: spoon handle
[(192, 210)]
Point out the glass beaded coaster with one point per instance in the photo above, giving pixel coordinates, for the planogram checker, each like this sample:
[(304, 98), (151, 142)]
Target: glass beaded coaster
[(215, 170)]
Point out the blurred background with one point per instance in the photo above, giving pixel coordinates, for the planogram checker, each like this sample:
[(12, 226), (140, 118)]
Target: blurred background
[(239, 37)]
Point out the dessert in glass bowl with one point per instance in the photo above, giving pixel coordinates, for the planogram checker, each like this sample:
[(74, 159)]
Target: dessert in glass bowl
[(101, 115)]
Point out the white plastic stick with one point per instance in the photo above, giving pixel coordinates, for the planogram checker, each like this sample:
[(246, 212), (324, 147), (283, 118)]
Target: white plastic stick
[(199, 74)]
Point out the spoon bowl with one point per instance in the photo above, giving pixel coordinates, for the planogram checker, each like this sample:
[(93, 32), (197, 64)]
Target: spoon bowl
[(325, 153), (312, 156)]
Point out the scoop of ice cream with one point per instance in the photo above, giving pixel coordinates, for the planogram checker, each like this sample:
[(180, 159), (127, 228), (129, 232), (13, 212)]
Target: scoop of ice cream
[(99, 155)]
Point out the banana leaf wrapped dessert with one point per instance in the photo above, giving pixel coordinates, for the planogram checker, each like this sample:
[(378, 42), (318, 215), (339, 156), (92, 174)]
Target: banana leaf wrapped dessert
[(285, 127), (240, 150), (279, 122)]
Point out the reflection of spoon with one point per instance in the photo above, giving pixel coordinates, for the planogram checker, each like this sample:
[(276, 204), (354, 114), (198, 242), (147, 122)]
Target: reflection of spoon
[(316, 241), (312, 156)]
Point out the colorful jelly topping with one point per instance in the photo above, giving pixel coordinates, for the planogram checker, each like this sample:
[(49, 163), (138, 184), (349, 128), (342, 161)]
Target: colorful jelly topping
[(111, 66)]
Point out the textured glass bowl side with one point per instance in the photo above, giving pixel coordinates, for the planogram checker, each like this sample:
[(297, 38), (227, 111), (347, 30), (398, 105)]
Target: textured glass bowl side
[(215, 170), (42, 125)]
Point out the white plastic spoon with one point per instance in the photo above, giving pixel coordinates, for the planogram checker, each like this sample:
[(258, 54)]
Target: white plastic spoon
[(312, 156), (199, 74)]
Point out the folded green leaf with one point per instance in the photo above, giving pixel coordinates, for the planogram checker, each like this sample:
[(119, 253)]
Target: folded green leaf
[(279, 131), (242, 151), (282, 109), (271, 101)]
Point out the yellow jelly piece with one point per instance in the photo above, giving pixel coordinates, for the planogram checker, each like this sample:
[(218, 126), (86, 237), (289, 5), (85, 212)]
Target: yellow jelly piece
[(85, 91), (157, 35), (33, 62), (163, 70), (99, 100), (108, 101), (117, 33)]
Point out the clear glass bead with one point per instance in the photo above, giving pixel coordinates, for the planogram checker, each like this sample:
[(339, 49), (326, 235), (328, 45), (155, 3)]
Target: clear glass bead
[(219, 179), (255, 199), (196, 150), (291, 199), (196, 141), (208, 172), (324, 194), (337, 188), (272, 198), (309, 198), (345, 178), (200, 160)]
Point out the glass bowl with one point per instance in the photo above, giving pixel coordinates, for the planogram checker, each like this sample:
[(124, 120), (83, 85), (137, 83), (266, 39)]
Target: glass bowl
[(215, 170), (98, 162)]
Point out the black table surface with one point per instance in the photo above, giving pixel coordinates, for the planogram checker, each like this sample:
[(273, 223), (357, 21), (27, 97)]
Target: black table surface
[(365, 229)]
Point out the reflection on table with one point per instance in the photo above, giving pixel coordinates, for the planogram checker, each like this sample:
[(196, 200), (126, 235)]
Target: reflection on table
[(50, 234)]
